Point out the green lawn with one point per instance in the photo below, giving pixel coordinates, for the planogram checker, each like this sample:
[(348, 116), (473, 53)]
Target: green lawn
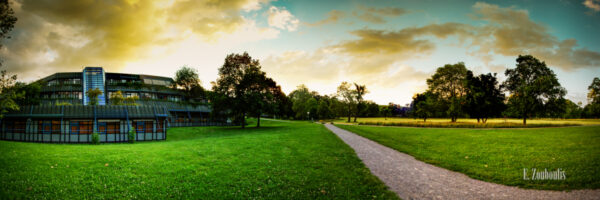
[(297, 160), (492, 121), (499, 155)]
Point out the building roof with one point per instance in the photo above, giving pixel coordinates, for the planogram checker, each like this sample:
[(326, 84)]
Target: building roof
[(99, 112)]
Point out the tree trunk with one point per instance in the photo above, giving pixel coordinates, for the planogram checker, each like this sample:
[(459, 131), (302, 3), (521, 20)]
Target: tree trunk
[(355, 118), (424, 119), (243, 120), (484, 120), (349, 115), (258, 121), (525, 120), (478, 120)]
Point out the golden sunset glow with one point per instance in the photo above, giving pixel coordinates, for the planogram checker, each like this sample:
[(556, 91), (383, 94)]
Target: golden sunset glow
[(391, 46)]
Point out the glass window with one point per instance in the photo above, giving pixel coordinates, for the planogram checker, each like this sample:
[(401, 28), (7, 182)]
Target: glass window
[(81, 127), (49, 127)]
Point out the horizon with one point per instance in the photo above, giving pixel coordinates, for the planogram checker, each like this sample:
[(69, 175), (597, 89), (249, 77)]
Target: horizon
[(391, 47)]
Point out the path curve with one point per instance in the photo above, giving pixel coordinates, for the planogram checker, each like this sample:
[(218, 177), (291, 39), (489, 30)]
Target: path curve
[(414, 179)]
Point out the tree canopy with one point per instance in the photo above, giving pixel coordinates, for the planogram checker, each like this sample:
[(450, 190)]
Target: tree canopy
[(448, 83), (187, 79), (484, 97), (244, 87), (348, 98), (532, 86)]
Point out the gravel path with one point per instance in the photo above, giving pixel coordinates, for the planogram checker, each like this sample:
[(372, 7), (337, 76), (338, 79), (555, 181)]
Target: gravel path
[(413, 179)]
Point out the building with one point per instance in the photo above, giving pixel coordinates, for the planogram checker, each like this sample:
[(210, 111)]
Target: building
[(71, 87), (65, 116)]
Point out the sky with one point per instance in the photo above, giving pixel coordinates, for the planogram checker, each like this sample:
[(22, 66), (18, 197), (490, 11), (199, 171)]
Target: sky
[(391, 46)]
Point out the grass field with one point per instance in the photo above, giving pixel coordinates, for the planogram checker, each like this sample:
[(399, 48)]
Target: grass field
[(297, 160), (499, 155), (470, 123)]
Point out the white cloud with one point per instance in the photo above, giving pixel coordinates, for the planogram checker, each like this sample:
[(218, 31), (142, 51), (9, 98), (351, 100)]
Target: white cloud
[(282, 19)]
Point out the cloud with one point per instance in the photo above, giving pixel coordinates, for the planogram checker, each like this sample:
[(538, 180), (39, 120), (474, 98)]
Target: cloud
[(592, 4), (510, 32), (66, 35), (332, 17), (376, 15), (282, 19), (402, 42)]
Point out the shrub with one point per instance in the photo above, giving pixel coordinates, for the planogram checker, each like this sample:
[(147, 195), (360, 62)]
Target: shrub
[(131, 135), (95, 138)]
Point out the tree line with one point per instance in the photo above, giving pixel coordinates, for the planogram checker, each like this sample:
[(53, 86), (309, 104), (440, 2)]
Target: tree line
[(243, 90), (533, 91)]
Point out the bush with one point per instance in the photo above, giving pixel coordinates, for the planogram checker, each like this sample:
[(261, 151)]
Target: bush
[(95, 138), (131, 135)]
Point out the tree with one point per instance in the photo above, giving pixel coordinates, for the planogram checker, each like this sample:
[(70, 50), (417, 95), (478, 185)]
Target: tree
[(299, 98), (572, 110), (592, 109), (385, 111), (425, 105), (312, 106), (8, 95), (448, 83), (484, 97), (348, 97), (29, 93), (7, 19), (259, 92), (594, 91), (360, 90), (93, 95), (244, 87), (116, 98), (187, 79), (324, 110), (531, 85), (371, 109)]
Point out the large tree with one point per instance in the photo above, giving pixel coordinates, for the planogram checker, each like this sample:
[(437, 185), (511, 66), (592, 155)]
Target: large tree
[(360, 91), (187, 79), (7, 95), (448, 83), (484, 97), (299, 98), (592, 109), (532, 85), (348, 98), (243, 87), (259, 92)]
